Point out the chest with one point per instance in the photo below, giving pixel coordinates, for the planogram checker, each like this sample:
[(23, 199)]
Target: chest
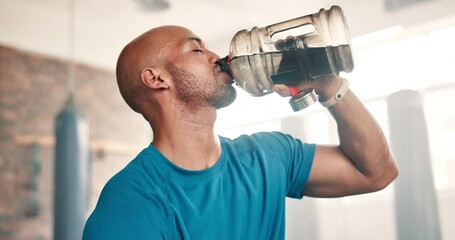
[(242, 200)]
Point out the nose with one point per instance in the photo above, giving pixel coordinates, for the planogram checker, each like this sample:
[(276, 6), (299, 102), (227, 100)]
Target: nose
[(212, 57)]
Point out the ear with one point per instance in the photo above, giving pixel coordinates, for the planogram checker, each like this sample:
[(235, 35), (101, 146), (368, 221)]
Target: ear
[(151, 78)]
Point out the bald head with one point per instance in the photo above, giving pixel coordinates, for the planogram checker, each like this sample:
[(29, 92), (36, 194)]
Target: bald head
[(150, 49)]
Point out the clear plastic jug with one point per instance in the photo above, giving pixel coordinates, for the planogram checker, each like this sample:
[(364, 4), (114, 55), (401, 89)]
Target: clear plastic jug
[(290, 52)]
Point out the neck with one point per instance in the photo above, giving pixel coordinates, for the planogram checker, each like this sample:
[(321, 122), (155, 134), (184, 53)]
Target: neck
[(188, 139)]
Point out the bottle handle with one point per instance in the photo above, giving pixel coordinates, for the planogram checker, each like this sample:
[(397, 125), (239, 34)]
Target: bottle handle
[(289, 24)]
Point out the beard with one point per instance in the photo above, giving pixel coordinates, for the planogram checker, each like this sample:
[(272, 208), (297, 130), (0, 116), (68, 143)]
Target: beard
[(195, 91)]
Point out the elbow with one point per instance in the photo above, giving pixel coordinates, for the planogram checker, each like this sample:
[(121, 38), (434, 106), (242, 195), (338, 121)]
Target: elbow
[(387, 175)]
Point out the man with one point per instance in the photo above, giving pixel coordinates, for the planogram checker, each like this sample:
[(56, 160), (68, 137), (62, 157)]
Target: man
[(191, 184)]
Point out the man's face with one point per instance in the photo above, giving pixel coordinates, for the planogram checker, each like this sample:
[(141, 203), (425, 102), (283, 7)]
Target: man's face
[(197, 78)]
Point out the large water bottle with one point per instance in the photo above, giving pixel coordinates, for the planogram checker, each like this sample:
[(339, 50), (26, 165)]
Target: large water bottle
[(290, 52)]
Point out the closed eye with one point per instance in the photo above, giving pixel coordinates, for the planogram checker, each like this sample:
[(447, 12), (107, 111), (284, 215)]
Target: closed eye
[(197, 50)]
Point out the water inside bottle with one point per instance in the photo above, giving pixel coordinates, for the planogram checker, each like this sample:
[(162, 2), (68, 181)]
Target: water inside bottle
[(294, 65), (291, 65)]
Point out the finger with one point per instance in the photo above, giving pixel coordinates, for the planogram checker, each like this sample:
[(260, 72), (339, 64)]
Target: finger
[(281, 89)]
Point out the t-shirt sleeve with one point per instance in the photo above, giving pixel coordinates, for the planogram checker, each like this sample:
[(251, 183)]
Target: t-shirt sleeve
[(125, 212), (296, 157)]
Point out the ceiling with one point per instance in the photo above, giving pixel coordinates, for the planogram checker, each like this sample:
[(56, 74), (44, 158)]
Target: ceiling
[(103, 27)]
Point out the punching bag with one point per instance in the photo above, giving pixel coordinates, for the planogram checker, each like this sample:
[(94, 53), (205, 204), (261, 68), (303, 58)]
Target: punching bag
[(416, 204), (71, 181)]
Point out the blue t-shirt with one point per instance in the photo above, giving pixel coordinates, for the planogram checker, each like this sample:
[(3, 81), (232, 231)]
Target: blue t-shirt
[(242, 196)]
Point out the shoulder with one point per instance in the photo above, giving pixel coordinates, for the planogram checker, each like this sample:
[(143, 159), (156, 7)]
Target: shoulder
[(267, 140), (274, 146), (130, 206), (141, 178)]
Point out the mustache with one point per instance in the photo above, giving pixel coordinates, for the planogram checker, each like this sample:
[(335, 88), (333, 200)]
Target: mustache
[(216, 69)]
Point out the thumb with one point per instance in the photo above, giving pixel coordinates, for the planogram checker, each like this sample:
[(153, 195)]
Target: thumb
[(281, 89)]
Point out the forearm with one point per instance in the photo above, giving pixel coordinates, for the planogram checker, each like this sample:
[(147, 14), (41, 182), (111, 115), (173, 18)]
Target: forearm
[(362, 162)]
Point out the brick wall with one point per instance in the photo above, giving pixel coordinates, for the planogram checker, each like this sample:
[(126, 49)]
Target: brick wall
[(33, 88)]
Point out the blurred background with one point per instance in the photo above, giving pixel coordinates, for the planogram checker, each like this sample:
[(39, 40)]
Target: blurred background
[(51, 49)]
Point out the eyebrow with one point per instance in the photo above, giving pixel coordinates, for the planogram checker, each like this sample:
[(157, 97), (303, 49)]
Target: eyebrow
[(198, 40), (194, 39)]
